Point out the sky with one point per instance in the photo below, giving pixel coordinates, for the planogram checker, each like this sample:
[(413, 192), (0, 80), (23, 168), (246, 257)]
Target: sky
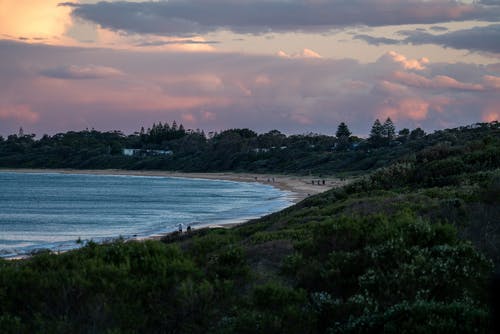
[(297, 66)]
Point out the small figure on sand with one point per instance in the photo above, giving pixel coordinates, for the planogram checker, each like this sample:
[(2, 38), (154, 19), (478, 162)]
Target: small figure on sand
[(188, 228), (180, 227)]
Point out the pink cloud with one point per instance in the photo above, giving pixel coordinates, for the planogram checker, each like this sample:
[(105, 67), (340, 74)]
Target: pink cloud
[(391, 88), (492, 82), (437, 82), (208, 116), (216, 91), (491, 116), (412, 108), (262, 80), (305, 53), (188, 118), (407, 64), (301, 119), (20, 113)]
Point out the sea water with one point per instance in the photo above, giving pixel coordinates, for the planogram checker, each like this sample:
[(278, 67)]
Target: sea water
[(63, 211)]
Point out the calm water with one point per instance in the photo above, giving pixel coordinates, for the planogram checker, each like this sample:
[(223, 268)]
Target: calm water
[(54, 210)]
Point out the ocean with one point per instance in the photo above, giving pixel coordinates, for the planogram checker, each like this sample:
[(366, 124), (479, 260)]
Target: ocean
[(64, 211)]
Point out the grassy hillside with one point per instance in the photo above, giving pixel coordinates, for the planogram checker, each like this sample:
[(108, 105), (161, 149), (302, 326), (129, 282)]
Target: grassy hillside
[(410, 248)]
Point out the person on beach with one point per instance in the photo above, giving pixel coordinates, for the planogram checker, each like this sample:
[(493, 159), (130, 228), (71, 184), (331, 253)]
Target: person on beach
[(180, 227)]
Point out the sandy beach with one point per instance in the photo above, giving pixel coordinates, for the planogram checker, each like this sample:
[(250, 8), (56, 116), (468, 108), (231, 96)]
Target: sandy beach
[(300, 187)]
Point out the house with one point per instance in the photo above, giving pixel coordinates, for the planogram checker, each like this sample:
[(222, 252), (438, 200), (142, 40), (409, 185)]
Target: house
[(145, 152), (130, 151)]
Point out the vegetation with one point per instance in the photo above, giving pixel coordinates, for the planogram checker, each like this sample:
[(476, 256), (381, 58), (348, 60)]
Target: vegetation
[(231, 150), (409, 248)]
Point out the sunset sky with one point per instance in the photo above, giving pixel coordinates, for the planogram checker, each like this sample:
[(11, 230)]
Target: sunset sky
[(294, 65)]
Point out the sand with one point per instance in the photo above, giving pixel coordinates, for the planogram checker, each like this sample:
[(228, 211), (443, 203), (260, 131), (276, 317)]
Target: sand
[(300, 187)]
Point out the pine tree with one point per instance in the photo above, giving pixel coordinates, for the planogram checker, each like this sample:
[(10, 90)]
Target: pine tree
[(389, 130), (343, 134), (376, 134), (343, 131)]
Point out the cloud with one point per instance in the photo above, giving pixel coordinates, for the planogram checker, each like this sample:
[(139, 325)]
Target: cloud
[(215, 91), (482, 39), (490, 116), (305, 53), (194, 17), (175, 42), (441, 82), (491, 82), (376, 40), (490, 2), (413, 108), (408, 64), (476, 39), (75, 72), (18, 113), (438, 28), (34, 20)]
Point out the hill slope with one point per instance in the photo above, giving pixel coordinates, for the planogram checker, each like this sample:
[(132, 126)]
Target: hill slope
[(409, 248)]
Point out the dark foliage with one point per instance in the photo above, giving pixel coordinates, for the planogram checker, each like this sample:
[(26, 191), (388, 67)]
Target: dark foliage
[(234, 149), (410, 248)]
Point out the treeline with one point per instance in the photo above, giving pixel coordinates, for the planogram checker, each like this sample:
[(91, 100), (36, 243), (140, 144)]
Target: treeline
[(229, 150), (410, 248)]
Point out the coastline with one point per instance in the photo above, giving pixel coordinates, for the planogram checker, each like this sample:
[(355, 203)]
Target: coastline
[(300, 187), (297, 187)]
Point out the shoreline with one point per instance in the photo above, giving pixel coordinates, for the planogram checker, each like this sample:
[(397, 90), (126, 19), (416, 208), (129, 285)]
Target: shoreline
[(297, 187), (300, 187)]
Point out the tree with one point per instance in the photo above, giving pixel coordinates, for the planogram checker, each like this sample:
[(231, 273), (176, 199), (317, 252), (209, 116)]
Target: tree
[(417, 134), (273, 138), (343, 131), (343, 135), (404, 132), (389, 130), (376, 134)]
